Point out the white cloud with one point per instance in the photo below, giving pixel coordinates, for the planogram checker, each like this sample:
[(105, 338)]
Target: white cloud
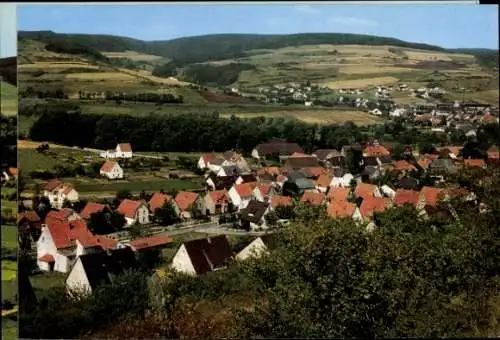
[(306, 9), (351, 21)]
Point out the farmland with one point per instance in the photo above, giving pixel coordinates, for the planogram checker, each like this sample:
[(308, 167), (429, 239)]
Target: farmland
[(8, 99)]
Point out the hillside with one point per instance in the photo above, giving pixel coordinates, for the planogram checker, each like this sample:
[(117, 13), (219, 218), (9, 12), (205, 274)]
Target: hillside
[(8, 90)]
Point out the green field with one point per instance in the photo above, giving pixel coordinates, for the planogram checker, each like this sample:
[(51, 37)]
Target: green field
[(31, 160), (9, 277), (9, 236), (8, 99), (9, 329)]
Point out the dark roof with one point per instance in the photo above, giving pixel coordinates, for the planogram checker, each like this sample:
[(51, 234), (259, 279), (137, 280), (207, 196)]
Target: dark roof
[(254, 211), (248, 178), (338, 172), (278, 147), (295, 175), (407, 183), (231, 169), (385, 159), (207, 254), (301, 162), (218, 161), (305, 183), (223, 182), (336, 161), (95, 268), (370, 170), (370, 161), (324, 154)]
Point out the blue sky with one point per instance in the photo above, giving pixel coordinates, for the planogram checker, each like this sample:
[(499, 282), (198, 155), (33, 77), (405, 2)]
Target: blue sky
[(8, 45), (450, 26)]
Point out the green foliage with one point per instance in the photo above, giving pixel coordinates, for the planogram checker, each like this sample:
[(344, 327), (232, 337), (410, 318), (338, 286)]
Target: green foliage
[(211, 75), (106, 222), (166, 215), (135, 230)]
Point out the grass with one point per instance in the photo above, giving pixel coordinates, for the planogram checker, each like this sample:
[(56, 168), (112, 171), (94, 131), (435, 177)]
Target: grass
[(8, 99), (9, 329), (317, 116), (9, 236), (42, 282), (31, 160), (360, 83), (9, 270)]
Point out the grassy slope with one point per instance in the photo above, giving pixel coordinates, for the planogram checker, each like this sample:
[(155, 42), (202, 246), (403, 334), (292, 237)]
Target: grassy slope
[(8, 98)]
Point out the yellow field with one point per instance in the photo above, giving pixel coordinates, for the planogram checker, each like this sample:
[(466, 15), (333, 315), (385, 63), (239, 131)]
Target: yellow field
[(316, 116), (28, 144), (367, 69), (56, 64), (101, 76), (147, 75), (360, 83), (132, 55)]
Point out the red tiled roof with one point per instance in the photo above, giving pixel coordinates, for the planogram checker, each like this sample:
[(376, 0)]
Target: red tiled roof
[(108, 166), (430, 195), (376, 150), (106, 242), (474, 163), (341, 209), (493, 154), (129, 207), (67, 189), (58, 215), (91, 208), (245, 189), (299, 154), (312, 198), (452, 149), (424, 162), (149, 242), (365, 190), (406, 197), (12, 171), (278, 200), (324, 180), (219, 196), (281, 179), (271, 170), (185, 199), (338, 194), (65, 234), (371, 205), (47, 258), (30, 216), (125, 147), (158, 200), (403, 165), (208, 157), (264, 189), (52, 185)]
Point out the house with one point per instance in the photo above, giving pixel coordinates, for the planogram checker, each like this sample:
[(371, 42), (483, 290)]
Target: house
[(313, 198), (92, 208), (372, 205), (246, 178), (30, 222), (343, 209), (323, 183), (217, 202), (263, 192), (388, 191), (453, 151), (403, 166), (58, 192), (407, 183), (275, 147), (297, 163), (63, 215), (236, 159), (186, 201), (205, 160), (152, 242), (278, 200), (134, 211), (324, 155), (375, 149), (338, 194), (475, 163), (61, 242), (204, 255), (365, 190), (122, 150), (9, 173), (297, 187), (219, 183), (403, 197), (441, 165), (93, 270), (375, 112), (228, 170), (159, 199), (111, 169), (260, 245), (430, 196), (241, 194), (216, 164), (370, 172), (252, 217), (493, 156), (341, 178)]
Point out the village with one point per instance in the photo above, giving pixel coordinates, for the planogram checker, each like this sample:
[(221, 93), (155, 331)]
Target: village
[(244, 198)]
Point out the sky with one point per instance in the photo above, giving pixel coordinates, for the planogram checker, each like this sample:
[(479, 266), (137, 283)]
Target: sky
[(449, 26), (8, 33)]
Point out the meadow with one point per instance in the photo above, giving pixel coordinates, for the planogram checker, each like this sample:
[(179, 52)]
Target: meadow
[(8, 99)]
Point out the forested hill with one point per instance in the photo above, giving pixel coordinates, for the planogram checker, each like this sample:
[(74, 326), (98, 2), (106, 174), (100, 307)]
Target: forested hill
[(8, 70), (213, 47)]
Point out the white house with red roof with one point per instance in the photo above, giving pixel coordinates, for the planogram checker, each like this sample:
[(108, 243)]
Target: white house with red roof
[(217, 202), (60, 243), (122, 150), (205, 160), (263, 192), (186, 200), (159, 199), (111, 170), (57, 192), (134, 211), (242, 194), (92, 208)]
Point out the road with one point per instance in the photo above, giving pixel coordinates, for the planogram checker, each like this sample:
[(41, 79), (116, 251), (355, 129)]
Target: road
[(135, 154)]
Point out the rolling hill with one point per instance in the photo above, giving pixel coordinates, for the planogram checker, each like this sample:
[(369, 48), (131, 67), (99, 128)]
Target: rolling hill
[(8, 89)]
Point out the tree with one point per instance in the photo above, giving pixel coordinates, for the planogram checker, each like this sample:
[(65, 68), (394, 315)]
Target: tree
[(123, 194), (285, 212), (106, 222), (135, 230), (149, 259), (271, 218), (166, 215)]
